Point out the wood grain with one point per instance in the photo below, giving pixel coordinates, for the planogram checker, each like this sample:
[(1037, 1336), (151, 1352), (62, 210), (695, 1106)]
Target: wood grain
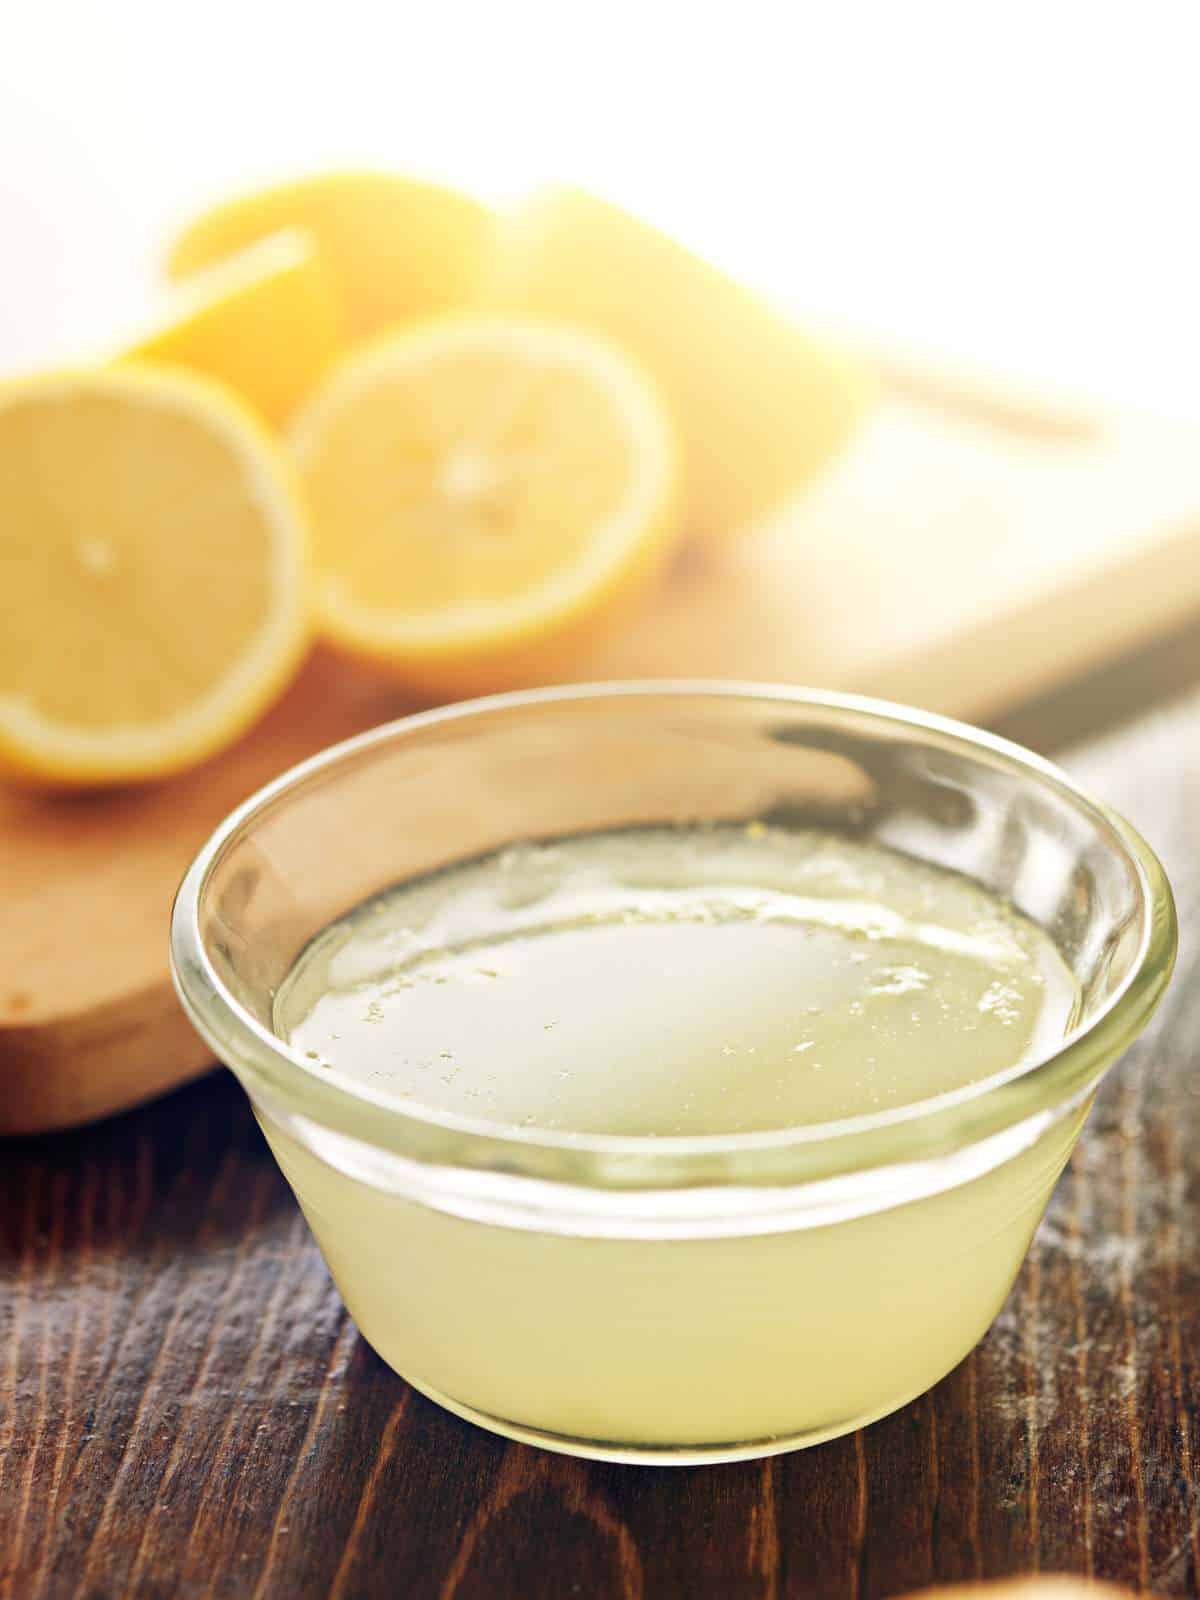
[(186, 1409), (968, 551)]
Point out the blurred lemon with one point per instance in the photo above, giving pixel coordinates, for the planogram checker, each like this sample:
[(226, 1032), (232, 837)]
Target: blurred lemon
[(396, 248), (1039, 1588), (266, 321), (153, 574), (484, 493), (761, 406)]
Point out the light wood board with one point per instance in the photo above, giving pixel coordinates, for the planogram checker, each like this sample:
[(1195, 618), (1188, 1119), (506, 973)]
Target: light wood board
[(969, 551)]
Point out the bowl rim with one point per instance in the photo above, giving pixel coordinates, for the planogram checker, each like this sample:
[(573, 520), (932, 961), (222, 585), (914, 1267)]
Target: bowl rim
[(1013, 1106)]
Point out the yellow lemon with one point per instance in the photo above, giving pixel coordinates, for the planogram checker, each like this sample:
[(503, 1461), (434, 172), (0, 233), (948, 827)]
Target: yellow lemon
[(761, 406), (1055, 1587), (266, 321), (152, 568), (397, 248), (484, 493)]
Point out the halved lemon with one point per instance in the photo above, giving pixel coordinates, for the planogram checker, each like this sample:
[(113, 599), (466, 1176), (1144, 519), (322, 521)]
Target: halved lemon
[(152, 570), (485, 493), (762, 405), (398, 248), (266, 321)]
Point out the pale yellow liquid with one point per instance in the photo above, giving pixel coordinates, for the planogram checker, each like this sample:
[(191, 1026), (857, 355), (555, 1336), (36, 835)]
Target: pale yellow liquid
[(666, 982)]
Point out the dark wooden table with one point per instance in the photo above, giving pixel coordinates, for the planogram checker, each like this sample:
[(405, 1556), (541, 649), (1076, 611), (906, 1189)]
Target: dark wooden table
[(186, 1409)]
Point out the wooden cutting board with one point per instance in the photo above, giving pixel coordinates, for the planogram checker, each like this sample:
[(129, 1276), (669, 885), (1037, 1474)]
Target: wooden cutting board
[(971, 549)]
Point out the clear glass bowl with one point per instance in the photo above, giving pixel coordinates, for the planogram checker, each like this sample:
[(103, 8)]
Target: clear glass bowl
[(669, 1299)]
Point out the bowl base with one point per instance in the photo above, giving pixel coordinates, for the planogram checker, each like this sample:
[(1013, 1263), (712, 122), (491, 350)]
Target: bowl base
[(659, 1455)]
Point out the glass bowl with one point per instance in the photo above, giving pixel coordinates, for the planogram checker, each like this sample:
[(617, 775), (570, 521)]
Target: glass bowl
[(670, 1299)]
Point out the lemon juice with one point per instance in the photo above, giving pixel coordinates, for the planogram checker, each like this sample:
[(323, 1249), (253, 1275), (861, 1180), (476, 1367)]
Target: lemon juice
[(656, 984)]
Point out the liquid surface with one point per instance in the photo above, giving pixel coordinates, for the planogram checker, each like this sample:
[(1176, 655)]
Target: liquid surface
[(685, 981)]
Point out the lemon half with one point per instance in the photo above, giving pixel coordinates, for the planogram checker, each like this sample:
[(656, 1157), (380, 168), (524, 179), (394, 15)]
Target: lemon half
[(485, 494), (152, 573)]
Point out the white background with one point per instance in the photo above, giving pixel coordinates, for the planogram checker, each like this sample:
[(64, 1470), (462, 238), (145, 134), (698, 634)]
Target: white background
[(1014, 184)]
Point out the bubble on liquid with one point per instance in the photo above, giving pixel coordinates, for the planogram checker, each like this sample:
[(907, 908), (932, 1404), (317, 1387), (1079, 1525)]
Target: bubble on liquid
[(1002, 1001), (903, 978)]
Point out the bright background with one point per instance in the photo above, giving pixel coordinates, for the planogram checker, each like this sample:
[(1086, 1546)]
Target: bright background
[(1013, 184)]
